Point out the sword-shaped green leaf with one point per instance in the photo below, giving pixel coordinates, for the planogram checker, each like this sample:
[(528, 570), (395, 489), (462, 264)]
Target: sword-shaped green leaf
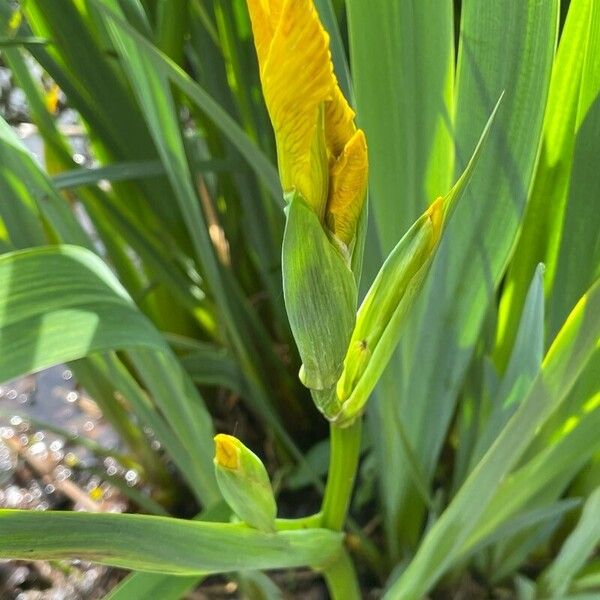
[(160, 544)]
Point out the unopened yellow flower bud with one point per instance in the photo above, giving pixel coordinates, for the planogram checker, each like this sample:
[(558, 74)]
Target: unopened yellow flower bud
[(244, 483), (321, 154)]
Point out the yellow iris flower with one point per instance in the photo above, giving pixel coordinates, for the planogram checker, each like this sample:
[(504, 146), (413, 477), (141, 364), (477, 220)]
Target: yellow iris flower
[(321, 153)]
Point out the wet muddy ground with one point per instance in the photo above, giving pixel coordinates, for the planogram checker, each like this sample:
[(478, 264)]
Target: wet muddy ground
[(42, 469)]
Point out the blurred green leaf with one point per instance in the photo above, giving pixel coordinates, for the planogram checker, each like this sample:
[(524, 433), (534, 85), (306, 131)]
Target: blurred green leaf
[(589, 578), (130, 39), (578, 260), (524, 364), (141, 586), (578, 547), (29, 202), (121, 172), (207, 364), (542, 477), (8, 42)]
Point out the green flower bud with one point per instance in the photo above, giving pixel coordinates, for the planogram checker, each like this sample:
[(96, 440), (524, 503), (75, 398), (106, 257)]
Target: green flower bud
[(244, 483), (383, 312), (320, 295)]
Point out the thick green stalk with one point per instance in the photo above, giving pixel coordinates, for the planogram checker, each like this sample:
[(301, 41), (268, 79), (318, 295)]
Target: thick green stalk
[(343, 461), (341, 579)]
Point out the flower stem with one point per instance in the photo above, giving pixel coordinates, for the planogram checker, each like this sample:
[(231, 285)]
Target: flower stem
[(341, 579), (343, 462)]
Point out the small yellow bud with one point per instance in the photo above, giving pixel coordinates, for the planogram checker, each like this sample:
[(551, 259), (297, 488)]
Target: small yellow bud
[(244, 483), (227, 453)]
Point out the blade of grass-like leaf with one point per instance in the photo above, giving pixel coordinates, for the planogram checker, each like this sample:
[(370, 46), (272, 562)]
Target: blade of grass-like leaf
[(515, 551), (82, 70), (548, 469), (59, 223), (28, 199), (63, 222), (524, 364), (261, 165), (233, 83), (41, 288), (150, 72), (171, 20), (239, 87), (513, 41), (124, 172), (134, 11), (171, 428), (153, 93), (57, 156), (526, 520), (577, 548), (584, 400), (542, 223), (403, 72), (563, 446), (54, 144), (213, 366), (589, 578), (156, 249), (185, 548), (62, 303), (9, 42), (447, 539), (90, 375), (544, 475), (141, 586), (578, 260)]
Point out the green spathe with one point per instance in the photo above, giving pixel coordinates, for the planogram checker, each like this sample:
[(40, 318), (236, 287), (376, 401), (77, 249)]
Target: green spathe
[(320, 298), (244, 483), (383, 311)]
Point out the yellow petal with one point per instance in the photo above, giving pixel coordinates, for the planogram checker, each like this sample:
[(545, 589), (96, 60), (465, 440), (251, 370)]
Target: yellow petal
[(347, 189), (318, 150), (339, 122), (264, 15), (297, 78), (227, 451)]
